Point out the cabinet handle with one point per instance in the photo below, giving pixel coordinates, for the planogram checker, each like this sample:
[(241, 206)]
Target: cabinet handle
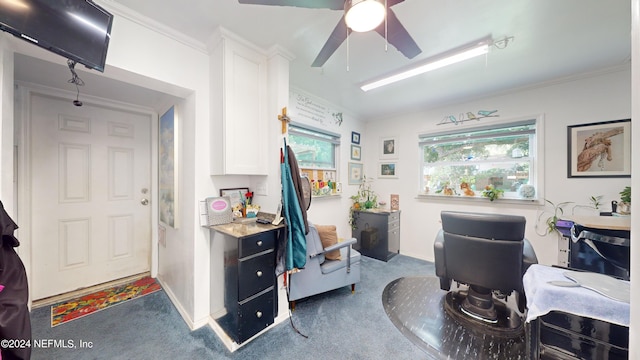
[(259, 243), (258, 314), (259, 273)]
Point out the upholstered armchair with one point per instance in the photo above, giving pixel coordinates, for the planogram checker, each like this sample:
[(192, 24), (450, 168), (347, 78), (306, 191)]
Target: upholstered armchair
[(328, 267), (487, 252)]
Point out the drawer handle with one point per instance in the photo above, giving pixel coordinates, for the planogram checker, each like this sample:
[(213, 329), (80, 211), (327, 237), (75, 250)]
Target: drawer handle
[(259, 243), (259, 273), (258, 314)]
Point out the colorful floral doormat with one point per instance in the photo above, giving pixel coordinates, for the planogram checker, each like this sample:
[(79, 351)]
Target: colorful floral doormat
[(88, 304)]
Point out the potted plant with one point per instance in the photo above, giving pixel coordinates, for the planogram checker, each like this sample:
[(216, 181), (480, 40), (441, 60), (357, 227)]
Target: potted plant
[(364, 199), (492, 193), (552, 217), (624, 206)]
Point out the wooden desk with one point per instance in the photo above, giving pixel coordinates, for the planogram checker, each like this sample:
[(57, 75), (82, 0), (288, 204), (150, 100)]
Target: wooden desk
[(603, 222)]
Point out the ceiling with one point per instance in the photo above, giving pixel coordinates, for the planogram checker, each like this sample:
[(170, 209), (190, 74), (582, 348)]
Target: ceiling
[(551, 39)]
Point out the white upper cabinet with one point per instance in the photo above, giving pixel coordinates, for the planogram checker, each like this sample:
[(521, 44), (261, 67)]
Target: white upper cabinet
[(239, 133)]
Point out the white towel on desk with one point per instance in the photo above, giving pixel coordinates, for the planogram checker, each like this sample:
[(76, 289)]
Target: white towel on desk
[(543, 297)]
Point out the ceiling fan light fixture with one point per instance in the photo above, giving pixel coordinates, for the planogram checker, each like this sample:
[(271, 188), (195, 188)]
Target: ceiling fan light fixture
[(433, 63), (363, 15)]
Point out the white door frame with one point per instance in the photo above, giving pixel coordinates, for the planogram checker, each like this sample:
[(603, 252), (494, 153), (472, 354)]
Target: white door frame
[(23, 93)]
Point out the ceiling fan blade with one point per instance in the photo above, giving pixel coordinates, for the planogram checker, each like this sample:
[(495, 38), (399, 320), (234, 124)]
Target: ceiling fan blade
[(398, 36), (311, 4), (336, 39), (390, 3)]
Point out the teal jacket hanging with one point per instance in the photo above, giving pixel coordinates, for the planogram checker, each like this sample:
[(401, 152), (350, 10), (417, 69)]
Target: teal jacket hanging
[(296, 243)]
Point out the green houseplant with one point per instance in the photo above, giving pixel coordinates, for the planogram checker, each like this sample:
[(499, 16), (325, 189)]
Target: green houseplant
[(364, 199), (552, 217), (624, 206)]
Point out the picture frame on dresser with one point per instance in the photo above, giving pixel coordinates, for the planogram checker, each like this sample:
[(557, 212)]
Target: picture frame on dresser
[(235, 197), (601, 149)]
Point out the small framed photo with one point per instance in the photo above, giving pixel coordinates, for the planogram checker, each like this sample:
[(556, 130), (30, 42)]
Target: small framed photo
[(388, 170), (600, 149), (356, 152), (355, 137), (355, 174), (235, 196), (388, 148)]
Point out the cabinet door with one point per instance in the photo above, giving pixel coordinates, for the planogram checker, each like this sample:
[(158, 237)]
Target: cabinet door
[(239, 94), (245, 121)]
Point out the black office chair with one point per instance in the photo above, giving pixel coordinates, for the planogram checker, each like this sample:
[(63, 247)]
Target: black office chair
[(489, 253)]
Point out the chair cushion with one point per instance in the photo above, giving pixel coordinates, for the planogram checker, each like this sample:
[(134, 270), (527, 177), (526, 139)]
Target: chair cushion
[(328, 237)]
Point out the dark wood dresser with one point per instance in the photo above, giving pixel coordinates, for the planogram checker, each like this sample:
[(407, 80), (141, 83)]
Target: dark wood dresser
[(378, 233), (250, 287)]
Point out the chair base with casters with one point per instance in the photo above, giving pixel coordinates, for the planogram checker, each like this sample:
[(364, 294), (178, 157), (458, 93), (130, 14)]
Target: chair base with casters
[(508, 323), (321, 274), (489, 254)]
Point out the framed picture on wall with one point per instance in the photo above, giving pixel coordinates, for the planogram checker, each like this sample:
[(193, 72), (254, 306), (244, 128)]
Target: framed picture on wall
[(388, 148), (355, 137), (356, 152), (601, 149), (355, 173), (388, 170), (168, 205)]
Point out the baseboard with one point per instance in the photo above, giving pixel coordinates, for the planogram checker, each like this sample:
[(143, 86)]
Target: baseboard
[(185, 316)]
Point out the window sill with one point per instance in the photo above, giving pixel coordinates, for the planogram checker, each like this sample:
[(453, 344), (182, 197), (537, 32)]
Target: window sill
[(326, 196), (478, 198)]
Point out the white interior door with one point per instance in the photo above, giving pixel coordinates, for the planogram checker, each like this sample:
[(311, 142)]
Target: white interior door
[(90, 178)]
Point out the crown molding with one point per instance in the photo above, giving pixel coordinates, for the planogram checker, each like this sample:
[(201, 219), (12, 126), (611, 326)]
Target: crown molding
[(118, 9)]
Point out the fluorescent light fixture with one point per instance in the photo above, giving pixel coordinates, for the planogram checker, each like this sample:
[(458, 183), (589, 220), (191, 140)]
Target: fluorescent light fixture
[(433, 63), (363, 15)]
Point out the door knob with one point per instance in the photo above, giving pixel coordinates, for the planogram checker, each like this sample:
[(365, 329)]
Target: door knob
[(144, 201)]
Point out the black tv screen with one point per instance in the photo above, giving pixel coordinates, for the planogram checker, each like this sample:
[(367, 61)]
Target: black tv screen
[(79, 30)]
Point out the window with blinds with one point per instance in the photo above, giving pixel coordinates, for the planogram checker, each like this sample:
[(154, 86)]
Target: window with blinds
[(502, 156), (314, 149)]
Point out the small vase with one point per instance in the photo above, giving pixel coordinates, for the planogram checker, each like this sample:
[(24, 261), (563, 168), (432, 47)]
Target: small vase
[(527, 191)]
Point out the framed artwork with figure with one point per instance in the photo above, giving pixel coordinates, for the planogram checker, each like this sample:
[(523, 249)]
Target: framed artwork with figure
[(601, 149), (388, 148)]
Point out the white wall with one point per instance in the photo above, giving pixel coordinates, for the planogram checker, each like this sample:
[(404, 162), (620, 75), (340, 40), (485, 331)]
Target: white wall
[(6, 127), (171, 66), (634, 329), (597, 98)]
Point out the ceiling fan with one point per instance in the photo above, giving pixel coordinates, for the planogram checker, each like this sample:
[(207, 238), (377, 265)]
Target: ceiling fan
[(395, 33)]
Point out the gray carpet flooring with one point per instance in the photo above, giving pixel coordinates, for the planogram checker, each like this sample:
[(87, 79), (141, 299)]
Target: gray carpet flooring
[(339, 325)]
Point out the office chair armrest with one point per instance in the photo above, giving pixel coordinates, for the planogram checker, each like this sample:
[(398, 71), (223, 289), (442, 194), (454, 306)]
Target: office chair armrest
[(438, 252), (340, 245)]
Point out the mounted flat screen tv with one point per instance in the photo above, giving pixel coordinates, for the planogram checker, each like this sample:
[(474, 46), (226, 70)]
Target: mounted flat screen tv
[(78, 30)]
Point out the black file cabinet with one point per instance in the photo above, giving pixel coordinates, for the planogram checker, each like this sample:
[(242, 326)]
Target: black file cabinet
[(250, 290), (377, 233)]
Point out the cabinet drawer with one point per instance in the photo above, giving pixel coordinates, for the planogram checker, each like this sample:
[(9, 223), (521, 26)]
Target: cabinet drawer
[(255, 315), (394, 216), (257, 243), (255, 275)]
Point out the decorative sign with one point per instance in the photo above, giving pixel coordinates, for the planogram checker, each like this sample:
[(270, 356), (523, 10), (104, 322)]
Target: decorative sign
[(309, 110), (469, 116)]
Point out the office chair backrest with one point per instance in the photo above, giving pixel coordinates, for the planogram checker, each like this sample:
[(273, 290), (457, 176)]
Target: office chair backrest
[(484, 249)]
